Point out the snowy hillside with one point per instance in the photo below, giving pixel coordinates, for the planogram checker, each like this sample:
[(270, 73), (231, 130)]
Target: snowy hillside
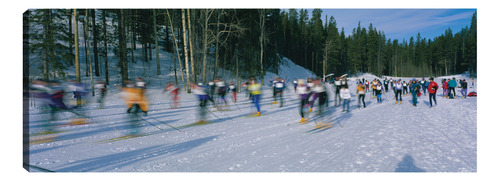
[(384, 137)]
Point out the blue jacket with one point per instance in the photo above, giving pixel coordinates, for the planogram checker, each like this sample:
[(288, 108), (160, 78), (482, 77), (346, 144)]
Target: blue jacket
[(414, 87), (452, 83)]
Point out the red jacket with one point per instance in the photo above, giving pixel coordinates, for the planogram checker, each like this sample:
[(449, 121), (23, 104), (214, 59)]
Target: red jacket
[(433, 87), (445, 85)]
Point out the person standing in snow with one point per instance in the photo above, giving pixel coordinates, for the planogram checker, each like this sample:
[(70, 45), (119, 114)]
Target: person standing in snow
[(432, 88), (451, 87), (398, 88), (386, 84), (254, 89), (378, 91), (405, 88), (464, 88), (374, 88), (367, 85), (414, 89), (273, 83), (361, 91), (445, 88), (346, 97)]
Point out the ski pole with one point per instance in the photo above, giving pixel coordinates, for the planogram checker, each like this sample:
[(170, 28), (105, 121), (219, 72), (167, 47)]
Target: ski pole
[(150, 123), (237, 106), (166, 124), (212, 113)]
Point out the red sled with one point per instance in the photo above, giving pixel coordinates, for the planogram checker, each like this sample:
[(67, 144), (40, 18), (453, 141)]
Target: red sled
[(472, 94)]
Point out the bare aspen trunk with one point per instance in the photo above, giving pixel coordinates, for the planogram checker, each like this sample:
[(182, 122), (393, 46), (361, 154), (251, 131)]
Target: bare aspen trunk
[(176, 48), (89, 61), (96, 54), (191, 37), (261, 39), (77, 61), (185, 51), (205, 42)]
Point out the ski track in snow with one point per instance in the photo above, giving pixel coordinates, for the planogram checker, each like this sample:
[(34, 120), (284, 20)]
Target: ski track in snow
[(379, 138)]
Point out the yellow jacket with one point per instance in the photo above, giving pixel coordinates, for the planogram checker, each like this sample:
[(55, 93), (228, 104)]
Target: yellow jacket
[(254, 89)]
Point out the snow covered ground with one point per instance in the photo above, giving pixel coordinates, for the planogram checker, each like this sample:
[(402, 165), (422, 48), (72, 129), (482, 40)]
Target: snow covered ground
[(379, 138)]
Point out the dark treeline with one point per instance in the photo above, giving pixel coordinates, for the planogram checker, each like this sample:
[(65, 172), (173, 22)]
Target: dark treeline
[(324, 48), (248, 42)]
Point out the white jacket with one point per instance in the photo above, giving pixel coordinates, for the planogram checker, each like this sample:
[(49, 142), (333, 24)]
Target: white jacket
[(345, 94)]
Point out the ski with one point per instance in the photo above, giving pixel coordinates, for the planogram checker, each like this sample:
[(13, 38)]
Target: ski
[(120, 138), (198, 123), (42, 139), (222, 110), (320, 127)]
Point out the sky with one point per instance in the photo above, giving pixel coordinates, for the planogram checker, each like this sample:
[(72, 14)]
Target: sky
[(402, 23)]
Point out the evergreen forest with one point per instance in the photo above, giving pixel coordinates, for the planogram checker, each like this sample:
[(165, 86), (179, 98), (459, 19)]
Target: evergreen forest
[(248, 41)]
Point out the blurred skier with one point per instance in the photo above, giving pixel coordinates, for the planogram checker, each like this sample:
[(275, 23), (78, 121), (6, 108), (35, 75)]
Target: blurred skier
[(337, 90), (102, 91), (134, 98), (319, 92), (40, 90), (433, 87), (211, 90), (280, 87), (221, 89), (202, 93), (174, 92), (232, 88), (303, 93), (255, 91)]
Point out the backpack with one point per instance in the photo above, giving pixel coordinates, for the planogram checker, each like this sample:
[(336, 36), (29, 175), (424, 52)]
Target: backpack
[(472, 94)]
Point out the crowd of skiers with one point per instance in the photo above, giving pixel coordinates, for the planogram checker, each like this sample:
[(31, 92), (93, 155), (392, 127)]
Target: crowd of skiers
[(50, 98), (308, 91)]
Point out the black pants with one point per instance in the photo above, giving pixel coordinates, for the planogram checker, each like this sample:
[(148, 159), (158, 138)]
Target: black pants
[(361, 97), (322, 100), (432, 96), (303, 102), (452, 89), (399, 92)]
